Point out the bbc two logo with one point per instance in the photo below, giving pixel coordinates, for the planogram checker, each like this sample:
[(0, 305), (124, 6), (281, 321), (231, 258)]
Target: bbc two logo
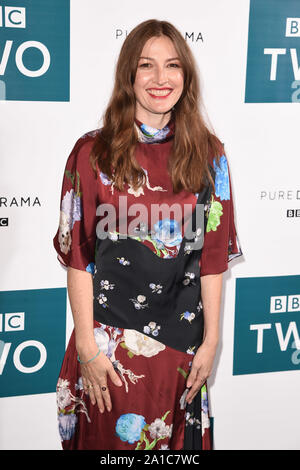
[(273, 73), (32, 340), (35, 69), (267, 324)]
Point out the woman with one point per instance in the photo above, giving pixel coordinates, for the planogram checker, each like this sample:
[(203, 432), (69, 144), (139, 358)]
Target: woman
[(146, 306)]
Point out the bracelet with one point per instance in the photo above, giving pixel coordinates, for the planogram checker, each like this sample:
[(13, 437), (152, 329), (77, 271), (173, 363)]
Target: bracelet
[(90, 360)]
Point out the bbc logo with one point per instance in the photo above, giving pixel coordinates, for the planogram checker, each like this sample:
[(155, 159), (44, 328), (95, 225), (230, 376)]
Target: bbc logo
[(12, 321), (285, 303), (12, 17), (292, 28), (3, 221), (293, 213)]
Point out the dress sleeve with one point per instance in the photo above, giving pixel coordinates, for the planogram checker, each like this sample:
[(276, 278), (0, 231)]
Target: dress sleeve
[(75, 239), (221, 243)]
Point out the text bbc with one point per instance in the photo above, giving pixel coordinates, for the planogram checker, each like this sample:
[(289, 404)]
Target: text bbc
[(283, 304), (16, 322), (12, 17)]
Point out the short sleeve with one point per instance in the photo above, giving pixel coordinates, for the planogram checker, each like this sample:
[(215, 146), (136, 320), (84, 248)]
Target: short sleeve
[(221, 242), (75, 239)]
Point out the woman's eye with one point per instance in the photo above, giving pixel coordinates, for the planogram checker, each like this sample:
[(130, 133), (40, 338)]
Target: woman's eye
[(175, 65), (145, 65)]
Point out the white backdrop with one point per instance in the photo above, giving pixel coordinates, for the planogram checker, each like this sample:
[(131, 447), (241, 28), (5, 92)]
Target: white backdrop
[(255, 411)]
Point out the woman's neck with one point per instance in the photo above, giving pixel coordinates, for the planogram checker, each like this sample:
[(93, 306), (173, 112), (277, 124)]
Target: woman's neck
[(157, 121)]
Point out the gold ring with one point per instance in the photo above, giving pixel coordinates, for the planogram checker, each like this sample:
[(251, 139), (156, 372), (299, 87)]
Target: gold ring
[(90, 386)]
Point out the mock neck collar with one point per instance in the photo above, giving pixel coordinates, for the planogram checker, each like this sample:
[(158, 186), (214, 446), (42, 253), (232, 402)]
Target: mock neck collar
[(151, 135)]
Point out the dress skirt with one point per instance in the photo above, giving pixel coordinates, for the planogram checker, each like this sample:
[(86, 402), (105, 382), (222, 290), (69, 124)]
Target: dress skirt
[(149, 411)]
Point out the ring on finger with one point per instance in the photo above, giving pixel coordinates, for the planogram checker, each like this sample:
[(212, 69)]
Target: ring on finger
[(103, 388)]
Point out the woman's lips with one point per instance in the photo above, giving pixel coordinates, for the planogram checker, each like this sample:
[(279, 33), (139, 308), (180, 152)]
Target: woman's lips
[(160, 93)]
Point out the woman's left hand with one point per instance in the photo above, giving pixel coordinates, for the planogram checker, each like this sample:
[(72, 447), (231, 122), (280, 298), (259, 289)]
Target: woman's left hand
[(201, 369)]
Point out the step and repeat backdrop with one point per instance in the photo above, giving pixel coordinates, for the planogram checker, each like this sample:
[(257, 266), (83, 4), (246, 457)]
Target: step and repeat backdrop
[(57, 62)]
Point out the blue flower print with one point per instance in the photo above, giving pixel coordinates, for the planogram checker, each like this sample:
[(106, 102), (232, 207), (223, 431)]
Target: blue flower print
[(167, 232), (129, 427), (66, 425), (204, 401), (222, 179), (90, 268), (71, 208), (104, 178), (149, 133)]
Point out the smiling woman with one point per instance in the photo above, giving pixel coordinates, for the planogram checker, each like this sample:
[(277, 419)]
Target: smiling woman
[(158, 82), (145, 306)]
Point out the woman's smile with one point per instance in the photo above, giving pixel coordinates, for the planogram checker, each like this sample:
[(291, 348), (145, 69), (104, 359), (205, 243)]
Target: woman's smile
[(159, 93)]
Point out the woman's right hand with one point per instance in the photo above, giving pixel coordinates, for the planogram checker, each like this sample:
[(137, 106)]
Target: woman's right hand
[(94, 377)]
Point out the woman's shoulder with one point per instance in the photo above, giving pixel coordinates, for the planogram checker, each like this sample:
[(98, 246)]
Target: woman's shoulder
[(83, 145), (87, 139), (79, 157)]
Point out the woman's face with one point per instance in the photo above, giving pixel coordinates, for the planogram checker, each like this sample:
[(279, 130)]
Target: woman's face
[(159, 80)]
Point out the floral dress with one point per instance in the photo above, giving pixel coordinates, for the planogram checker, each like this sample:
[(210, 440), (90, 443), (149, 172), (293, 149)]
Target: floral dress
[(152, 353)]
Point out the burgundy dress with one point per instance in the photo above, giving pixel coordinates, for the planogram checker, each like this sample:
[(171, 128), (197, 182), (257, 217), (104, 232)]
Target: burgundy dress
[(149, 411)]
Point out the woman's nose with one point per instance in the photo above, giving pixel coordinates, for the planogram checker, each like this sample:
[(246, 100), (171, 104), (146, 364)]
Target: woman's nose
[(161, 75)]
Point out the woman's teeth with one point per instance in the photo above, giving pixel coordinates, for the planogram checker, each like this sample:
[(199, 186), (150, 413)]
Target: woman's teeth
[(159, 92)]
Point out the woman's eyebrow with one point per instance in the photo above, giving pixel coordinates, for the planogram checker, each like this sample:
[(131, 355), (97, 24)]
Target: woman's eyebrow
[(168, 60)]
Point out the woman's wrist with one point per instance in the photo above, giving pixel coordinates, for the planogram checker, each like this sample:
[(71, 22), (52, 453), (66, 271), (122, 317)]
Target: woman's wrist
[(211, 341), (89, 360), (86, 348)]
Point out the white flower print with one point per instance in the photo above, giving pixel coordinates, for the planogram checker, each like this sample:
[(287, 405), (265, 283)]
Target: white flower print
[(139, 302), (156, 288), (140, 344), (159, 429), (151, 328), (66, 405), (123, 261), (189, 279), (106, 285), (187, 248), (63, 394), (191, 420), (71, 206), (102, 300), (64, 233), (70, 212)]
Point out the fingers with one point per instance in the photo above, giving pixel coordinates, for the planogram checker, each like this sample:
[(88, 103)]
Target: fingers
[(196, 386), (103, 397), (114, 376), (98, 390)]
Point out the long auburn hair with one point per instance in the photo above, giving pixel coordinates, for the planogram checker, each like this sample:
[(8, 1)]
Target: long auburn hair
[(113, 149)]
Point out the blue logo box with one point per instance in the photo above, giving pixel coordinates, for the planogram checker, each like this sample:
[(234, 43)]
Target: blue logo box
[(267, 324), (35, 50), (273, 52), (32, 340)]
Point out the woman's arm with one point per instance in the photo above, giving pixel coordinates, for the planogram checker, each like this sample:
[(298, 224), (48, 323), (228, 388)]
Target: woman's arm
[(211, 289), (80, 291), (94, 374)]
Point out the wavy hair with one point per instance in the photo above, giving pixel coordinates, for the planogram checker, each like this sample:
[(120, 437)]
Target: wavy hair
[(114, 147)]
